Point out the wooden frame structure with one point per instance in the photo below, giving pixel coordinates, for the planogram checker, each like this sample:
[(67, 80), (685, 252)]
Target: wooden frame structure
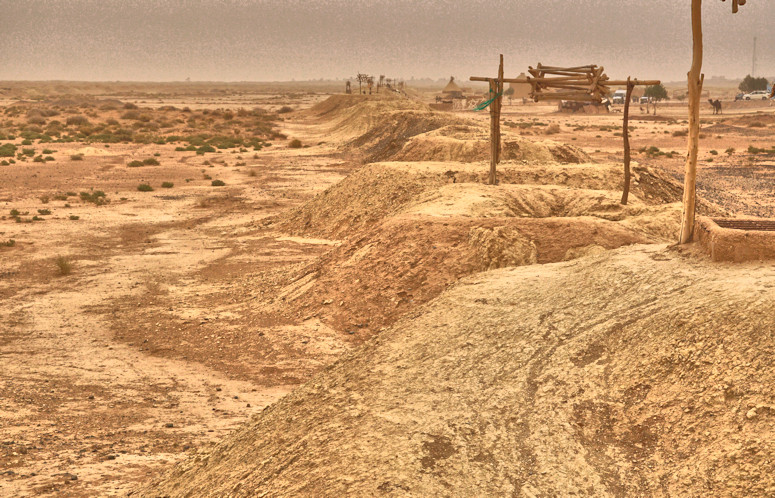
[(581, 83)]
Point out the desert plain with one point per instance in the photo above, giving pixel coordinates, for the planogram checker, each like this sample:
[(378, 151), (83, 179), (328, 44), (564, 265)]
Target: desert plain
[(258, 290)]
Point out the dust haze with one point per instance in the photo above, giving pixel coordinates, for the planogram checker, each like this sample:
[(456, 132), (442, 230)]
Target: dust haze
[(272, 40)]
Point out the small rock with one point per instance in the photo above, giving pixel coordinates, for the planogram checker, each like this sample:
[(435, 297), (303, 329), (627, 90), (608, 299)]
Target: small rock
[(751, 414), (218, 389), (169, 425), (248, 406)]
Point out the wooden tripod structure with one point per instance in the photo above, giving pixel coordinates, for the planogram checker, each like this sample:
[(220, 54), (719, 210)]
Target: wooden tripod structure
[(580, 83), (696, 79)]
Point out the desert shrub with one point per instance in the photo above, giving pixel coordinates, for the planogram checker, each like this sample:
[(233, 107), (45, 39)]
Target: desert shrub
[(97, 197), (44, 199), (63, 266), (680, 133), (131, 115), (144, 187), (7, 150), (729, 151), (205, 148), (37, 120), (28, 152), (27, 141), (167, 184), (74, 217), (757, 124), (38, 159), (284, 109), (4, 163), (130, 105), (150, 162), (15, 213), (111, 122), (8, 243), (44, 212), (48, 151), (135, 164), (217, 183), (77, 120), (76, 157), (295, 144), (552, 129)]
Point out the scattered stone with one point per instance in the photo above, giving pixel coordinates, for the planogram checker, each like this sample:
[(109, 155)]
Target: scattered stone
[(169, 425), (751, 414)]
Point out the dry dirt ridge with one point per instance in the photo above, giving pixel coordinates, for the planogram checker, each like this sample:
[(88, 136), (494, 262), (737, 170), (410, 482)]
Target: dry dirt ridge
[(638, 372)]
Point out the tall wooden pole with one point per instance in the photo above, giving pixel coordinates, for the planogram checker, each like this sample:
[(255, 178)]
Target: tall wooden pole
[(496, 89), (626, 135), (695, 88)]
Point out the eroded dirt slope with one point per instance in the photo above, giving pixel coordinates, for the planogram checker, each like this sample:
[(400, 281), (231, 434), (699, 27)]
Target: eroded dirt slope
[(636, 372)]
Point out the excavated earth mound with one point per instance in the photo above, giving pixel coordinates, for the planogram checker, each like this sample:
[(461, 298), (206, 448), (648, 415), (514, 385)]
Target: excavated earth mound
[(387, 127), (638, 372), (378, 191)]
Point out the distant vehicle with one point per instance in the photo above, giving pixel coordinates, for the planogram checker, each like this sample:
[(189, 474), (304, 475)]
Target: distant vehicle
[(619, 96), (739, 96), (757, 95), (645, 100)]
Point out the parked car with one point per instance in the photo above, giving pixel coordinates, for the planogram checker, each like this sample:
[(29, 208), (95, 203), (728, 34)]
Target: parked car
[(739, 96), (645, 100), (619, 96), (757, 95)]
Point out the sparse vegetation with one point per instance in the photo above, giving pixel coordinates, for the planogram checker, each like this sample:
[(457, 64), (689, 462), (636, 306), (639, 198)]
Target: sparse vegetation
[(74, 217), (167, 185), (76, 157), (8, 243), (217, 183), (63, 266), (144, 187), (295, 144), (97, 197)]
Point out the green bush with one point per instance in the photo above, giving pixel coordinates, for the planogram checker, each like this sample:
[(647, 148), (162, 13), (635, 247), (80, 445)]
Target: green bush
[(9, 243), (135, 164), (44, 212), (150, 162), (205, 148), (217, 183), (97, 197), (7, 150), (144, 187), (167, 185), (74, 217)]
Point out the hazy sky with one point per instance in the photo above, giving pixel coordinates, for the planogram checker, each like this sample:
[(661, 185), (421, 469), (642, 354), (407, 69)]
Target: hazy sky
[(269, 40)]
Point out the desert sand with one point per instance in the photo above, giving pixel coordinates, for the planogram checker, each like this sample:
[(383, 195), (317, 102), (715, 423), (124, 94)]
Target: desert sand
[(317, 295)]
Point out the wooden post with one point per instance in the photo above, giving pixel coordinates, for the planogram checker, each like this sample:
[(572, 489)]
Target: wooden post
[(496, 88), (626, 135), (693, 142)]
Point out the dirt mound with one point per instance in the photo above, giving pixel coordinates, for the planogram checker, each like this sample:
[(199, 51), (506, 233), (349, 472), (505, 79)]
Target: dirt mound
[(371, 280), (461, 143), (498, 388), (378, 191)]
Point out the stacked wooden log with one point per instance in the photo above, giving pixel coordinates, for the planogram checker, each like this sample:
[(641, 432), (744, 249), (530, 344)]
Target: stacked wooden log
[(580, 83)]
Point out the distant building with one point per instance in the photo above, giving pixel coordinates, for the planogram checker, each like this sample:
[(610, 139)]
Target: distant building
[(452, 90), (519, 90)]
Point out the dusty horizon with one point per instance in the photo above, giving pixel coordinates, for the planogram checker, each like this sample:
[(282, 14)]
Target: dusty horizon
[(234, 41)]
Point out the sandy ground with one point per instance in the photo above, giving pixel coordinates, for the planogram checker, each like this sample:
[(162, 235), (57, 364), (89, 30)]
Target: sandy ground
[(175, 324)]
